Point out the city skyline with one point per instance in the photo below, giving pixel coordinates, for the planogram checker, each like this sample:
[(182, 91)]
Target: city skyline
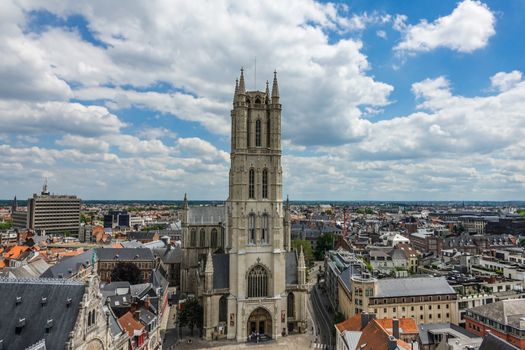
[(386, 102)]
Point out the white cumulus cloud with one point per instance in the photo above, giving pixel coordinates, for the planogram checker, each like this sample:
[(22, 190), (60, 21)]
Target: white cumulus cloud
[(468, 28)]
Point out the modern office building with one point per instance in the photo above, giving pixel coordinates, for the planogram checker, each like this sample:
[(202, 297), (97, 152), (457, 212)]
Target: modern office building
[(50, 213), (117, 218)]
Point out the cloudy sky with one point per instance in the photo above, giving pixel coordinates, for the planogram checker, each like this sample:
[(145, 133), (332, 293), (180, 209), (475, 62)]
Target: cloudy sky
[(411, 100)]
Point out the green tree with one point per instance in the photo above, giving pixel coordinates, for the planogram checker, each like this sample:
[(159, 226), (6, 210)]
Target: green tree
[(191, 315), (324, 242), (6, 225), (126, 271), (307, 249)]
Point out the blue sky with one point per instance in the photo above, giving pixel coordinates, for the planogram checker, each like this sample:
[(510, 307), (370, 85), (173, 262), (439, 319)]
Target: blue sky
[(383, 100)]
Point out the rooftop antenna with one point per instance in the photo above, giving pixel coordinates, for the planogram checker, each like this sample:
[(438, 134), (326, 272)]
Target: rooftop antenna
[(44, 188)]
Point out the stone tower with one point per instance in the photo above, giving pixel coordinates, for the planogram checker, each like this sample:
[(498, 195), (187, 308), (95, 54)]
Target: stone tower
[(257, 302)]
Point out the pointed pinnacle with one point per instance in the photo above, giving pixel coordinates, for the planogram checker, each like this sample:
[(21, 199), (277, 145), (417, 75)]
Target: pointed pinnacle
[(242, 88)]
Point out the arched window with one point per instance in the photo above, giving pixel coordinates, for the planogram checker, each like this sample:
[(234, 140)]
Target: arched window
[(251, 184), (214, 238), (93, 314), (223, 309), (89, 319), (257, 282), (258, 133), (193, 238), (264, 231), (265, 183), (268, 132), (291, 305), (202, 238), (251, 229)]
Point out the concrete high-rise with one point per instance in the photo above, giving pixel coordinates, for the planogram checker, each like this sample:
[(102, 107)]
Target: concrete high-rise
[(52, 214)]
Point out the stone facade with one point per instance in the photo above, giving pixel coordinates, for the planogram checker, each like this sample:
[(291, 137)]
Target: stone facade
[(255, 284)]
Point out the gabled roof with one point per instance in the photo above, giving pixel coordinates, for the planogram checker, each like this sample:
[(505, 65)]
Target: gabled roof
[(59, 309), (31, 270), (507, 312), (406, 325), (351, 324), (375, 337), (130, 324), (169, 255), (69, 266), (491, 342), (142, 235)]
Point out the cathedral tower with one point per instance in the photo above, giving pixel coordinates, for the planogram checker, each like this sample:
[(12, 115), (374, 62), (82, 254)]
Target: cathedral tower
[(257, 285), (256, 231)]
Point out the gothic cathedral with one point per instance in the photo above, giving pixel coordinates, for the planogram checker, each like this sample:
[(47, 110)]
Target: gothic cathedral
[(250, 280)]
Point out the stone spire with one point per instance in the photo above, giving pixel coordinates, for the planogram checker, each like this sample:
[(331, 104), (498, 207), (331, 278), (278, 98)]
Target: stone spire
[(242, 89), (185, 204), (301, 267), (14, 207), (236, 90), (208, 272), (267, 92), (275, 89)]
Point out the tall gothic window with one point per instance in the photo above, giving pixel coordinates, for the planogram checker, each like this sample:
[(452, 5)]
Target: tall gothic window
[(251, 228), (202, 238), (223, 309), (257, 282), (193, 238), (251, 184), (265, 183), (291, 305), (268, 132), (258, 133), (264, 231), (214, 238)]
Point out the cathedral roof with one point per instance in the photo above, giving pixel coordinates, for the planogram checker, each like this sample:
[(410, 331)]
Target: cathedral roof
[(206, 215)]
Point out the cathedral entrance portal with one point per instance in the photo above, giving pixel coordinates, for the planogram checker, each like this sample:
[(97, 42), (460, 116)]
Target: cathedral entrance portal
[(260, 323)]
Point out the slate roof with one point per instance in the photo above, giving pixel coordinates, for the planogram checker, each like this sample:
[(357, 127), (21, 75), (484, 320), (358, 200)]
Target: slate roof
[(171, 255), (291, 268), (221, 271), (142, 235), (145, 316), (69, 266), (403, 287), (131, 244), (491, 342), (159, 281), (32, 270), (206, 215), (507, 312), (36, 314), (427, 331), (124, 254)]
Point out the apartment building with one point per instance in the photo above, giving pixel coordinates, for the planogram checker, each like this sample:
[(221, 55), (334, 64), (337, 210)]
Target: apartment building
[(425, 299), (504, 319)]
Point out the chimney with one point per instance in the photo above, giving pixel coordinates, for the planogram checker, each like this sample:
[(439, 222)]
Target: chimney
[(392, 343), (364, 319), (395, 328), (522, 322)]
